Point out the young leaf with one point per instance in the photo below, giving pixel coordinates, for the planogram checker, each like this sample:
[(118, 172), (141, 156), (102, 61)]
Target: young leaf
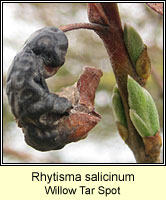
[(118, 107), (137, 51), (143, 111), (133, 43)]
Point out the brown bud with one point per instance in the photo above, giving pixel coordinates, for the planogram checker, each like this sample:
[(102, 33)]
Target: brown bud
[(153, 145)]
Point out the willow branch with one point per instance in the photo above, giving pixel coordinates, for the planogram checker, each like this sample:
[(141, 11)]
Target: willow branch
[(157, 7), (107, 14), (76, 26), (17, 154)]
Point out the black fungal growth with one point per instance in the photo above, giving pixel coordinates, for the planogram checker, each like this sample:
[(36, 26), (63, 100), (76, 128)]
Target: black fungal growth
[(34, 107)]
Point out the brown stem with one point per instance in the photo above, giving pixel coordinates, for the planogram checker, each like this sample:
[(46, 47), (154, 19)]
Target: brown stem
[(121, 64), (71, 27), (27, 157), (157, 7), (17, 154)]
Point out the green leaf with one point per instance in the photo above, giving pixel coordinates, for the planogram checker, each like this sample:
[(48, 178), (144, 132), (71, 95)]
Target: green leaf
[(118, 107), (133, 43), (142, 107), (139, 124)]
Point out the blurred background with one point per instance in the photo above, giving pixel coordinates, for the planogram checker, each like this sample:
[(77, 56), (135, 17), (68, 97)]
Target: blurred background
[(103, 144)]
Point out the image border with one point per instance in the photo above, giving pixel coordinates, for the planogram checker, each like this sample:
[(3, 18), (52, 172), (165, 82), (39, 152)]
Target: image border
[(80, 164)]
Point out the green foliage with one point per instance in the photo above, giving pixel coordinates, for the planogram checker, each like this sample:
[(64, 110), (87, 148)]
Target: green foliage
[(133, 42), (137, 51), (118, 107), (143, 111)]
